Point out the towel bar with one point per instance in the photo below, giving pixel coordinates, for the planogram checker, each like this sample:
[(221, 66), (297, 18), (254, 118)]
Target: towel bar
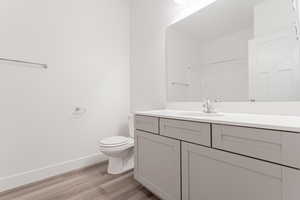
[(45, 66)]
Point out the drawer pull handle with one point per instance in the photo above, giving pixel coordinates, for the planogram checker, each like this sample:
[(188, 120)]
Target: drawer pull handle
[(181, 128), (223, 136)]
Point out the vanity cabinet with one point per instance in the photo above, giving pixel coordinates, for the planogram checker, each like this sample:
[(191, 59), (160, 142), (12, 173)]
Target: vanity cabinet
[(157, 164), (212, 174), (190, 160)]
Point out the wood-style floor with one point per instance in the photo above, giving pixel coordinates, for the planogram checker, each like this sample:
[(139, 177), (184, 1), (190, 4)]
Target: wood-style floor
[(92, 183)]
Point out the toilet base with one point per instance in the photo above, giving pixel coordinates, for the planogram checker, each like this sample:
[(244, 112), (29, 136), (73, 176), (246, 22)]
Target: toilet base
[(119, 165)]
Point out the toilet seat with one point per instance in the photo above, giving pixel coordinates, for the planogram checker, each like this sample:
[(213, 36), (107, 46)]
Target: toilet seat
[(117, 143), (114, 141)]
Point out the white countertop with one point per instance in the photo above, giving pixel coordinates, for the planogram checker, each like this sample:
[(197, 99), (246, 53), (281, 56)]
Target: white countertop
[(274, 122)]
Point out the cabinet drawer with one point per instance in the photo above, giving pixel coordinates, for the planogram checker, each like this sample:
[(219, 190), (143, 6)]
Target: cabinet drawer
[(194, 132), (145, 123), (275, 146)]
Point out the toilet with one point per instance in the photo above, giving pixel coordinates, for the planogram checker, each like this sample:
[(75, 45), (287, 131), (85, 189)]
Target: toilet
[(119, 150)]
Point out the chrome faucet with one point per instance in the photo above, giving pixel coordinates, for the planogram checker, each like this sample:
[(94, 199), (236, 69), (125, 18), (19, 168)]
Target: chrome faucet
[(208, 107)]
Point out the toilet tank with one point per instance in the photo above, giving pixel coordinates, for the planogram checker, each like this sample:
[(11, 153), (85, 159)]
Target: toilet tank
[(131, 125)]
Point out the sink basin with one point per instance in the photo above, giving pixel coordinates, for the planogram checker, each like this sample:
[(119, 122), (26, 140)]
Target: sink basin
[(199, 114)]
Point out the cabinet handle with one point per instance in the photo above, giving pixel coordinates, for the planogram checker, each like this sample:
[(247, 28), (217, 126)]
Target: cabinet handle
[(243, 139)]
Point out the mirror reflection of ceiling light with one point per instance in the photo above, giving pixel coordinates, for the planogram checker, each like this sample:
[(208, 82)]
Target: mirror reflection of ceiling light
[(192, 7), (180, 2)]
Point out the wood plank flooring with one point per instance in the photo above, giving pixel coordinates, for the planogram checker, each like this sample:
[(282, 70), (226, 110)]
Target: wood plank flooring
[(92, 183)]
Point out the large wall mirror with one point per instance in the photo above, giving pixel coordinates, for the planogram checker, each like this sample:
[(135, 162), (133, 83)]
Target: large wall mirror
[(235, 50)]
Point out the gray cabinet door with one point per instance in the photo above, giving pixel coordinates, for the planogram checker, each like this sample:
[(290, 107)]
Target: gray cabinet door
[(216, 175), (157, 164)]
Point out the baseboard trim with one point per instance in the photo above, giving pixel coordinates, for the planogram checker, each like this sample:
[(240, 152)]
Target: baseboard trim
[(18, 180)]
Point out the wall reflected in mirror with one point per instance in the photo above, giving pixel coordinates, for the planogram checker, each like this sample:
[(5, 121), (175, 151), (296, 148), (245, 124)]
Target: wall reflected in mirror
[(235, 50)]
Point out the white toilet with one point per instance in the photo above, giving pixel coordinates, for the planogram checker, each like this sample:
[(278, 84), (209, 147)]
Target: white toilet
[(119, 150)]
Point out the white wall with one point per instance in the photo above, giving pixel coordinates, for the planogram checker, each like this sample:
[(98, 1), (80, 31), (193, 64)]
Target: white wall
[(148, 78), (86, 45), (149, 19)]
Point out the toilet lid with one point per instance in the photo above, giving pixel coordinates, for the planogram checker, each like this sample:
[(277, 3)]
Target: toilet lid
[(114, 141)]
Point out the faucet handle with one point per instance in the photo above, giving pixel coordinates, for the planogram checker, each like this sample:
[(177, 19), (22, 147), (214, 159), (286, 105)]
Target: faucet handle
[(206, 101), (208, 106)]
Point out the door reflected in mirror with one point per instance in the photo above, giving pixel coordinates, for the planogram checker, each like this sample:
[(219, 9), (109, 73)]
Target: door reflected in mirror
[(235, 50)]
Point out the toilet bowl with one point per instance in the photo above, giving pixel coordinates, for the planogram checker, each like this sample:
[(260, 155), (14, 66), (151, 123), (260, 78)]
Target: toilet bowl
[(119, 151)]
